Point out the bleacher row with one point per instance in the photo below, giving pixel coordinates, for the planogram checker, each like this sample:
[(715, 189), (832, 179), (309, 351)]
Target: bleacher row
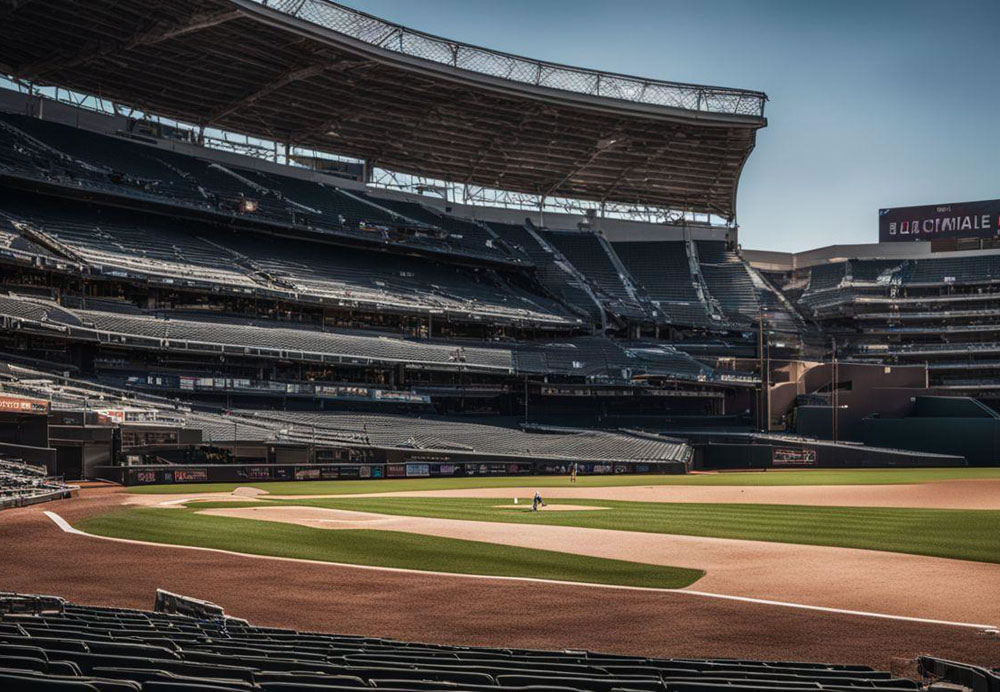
[(595, 261), (68, 156), (942, 271), (560, 279), (25, 484), (49, 644), (429, 432), (592, 358), (173, 253), (651, 280)]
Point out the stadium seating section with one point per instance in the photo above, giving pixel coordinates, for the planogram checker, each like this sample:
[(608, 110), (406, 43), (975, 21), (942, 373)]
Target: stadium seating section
[(489, 440), (63, 155), (940, 311), (405, 432), (25, 484), (594, 259), (162, 268), (582, 278), (596, 358), (49, 644)]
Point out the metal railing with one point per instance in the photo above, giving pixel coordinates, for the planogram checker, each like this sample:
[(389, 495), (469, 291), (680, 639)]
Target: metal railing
[(399, 39)]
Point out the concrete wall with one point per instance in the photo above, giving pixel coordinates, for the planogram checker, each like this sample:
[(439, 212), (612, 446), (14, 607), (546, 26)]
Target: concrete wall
[(977, 439), (766, 260)]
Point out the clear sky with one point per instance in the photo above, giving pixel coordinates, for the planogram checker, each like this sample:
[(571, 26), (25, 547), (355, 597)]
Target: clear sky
[(873, 103)]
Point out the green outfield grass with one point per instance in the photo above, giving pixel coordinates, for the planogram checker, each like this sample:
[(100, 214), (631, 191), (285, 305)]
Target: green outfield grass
[(959, 534), (377, 548), (796, 477)]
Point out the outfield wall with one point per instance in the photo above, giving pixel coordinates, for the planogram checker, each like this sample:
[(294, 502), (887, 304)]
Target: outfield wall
[(977, 439), (261, 473), (769, 453)]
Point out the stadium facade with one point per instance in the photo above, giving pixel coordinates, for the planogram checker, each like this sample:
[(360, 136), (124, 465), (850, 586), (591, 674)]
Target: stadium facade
[(189, 312)]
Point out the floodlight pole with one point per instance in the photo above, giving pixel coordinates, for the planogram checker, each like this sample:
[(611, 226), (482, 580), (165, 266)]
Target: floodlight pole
[(525, 398), (767, 388), (762, 401), (833, 389)]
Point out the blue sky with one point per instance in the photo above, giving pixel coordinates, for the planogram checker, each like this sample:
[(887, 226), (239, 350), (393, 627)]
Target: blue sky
[(875, 103)]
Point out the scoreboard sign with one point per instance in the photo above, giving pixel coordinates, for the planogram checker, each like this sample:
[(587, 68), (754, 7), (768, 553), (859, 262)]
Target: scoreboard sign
[(960, 220)]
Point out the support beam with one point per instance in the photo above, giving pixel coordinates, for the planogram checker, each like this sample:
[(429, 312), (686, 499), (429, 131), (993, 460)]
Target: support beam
[(162, 31), (604, 144), (287, 78), (501, 137), (638, 165), (9, 7)]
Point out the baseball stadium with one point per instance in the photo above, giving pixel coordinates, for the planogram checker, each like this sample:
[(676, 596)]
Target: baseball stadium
[(340, 355)]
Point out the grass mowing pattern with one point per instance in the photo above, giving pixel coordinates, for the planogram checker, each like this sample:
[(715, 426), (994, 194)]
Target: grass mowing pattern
[(959, 534), (378, 548), (794, 477)]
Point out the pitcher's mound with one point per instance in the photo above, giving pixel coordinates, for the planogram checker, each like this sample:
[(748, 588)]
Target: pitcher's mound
[(245, 491), (550, 508)]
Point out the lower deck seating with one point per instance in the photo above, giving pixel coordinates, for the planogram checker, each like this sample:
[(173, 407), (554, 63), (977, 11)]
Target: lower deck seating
[(22, 484), (433, 432), (48, 644)]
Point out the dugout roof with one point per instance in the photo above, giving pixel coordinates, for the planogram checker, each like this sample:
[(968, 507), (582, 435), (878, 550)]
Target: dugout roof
[(316, 74)]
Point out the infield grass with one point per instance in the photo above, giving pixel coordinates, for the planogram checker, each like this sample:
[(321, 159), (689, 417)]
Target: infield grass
[(791, 477), (377, 548), (958, 534)]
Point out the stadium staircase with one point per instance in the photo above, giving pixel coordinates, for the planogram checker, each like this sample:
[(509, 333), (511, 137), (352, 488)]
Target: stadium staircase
[(561, 279)]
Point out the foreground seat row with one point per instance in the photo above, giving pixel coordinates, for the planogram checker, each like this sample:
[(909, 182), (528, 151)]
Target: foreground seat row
[(48, 644)]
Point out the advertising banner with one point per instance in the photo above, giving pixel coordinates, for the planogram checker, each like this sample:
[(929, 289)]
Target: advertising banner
[(190, 476), (18, 404), (788, 456), (958, 220)]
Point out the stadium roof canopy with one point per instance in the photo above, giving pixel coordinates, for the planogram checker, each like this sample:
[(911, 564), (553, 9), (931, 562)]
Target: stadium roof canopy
[(315, 74)]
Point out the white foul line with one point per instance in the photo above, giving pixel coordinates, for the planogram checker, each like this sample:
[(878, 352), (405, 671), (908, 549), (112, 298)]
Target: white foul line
[(65, 526)]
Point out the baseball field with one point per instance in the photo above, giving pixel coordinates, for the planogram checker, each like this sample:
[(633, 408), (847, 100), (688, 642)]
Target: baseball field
[(875, 564)]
